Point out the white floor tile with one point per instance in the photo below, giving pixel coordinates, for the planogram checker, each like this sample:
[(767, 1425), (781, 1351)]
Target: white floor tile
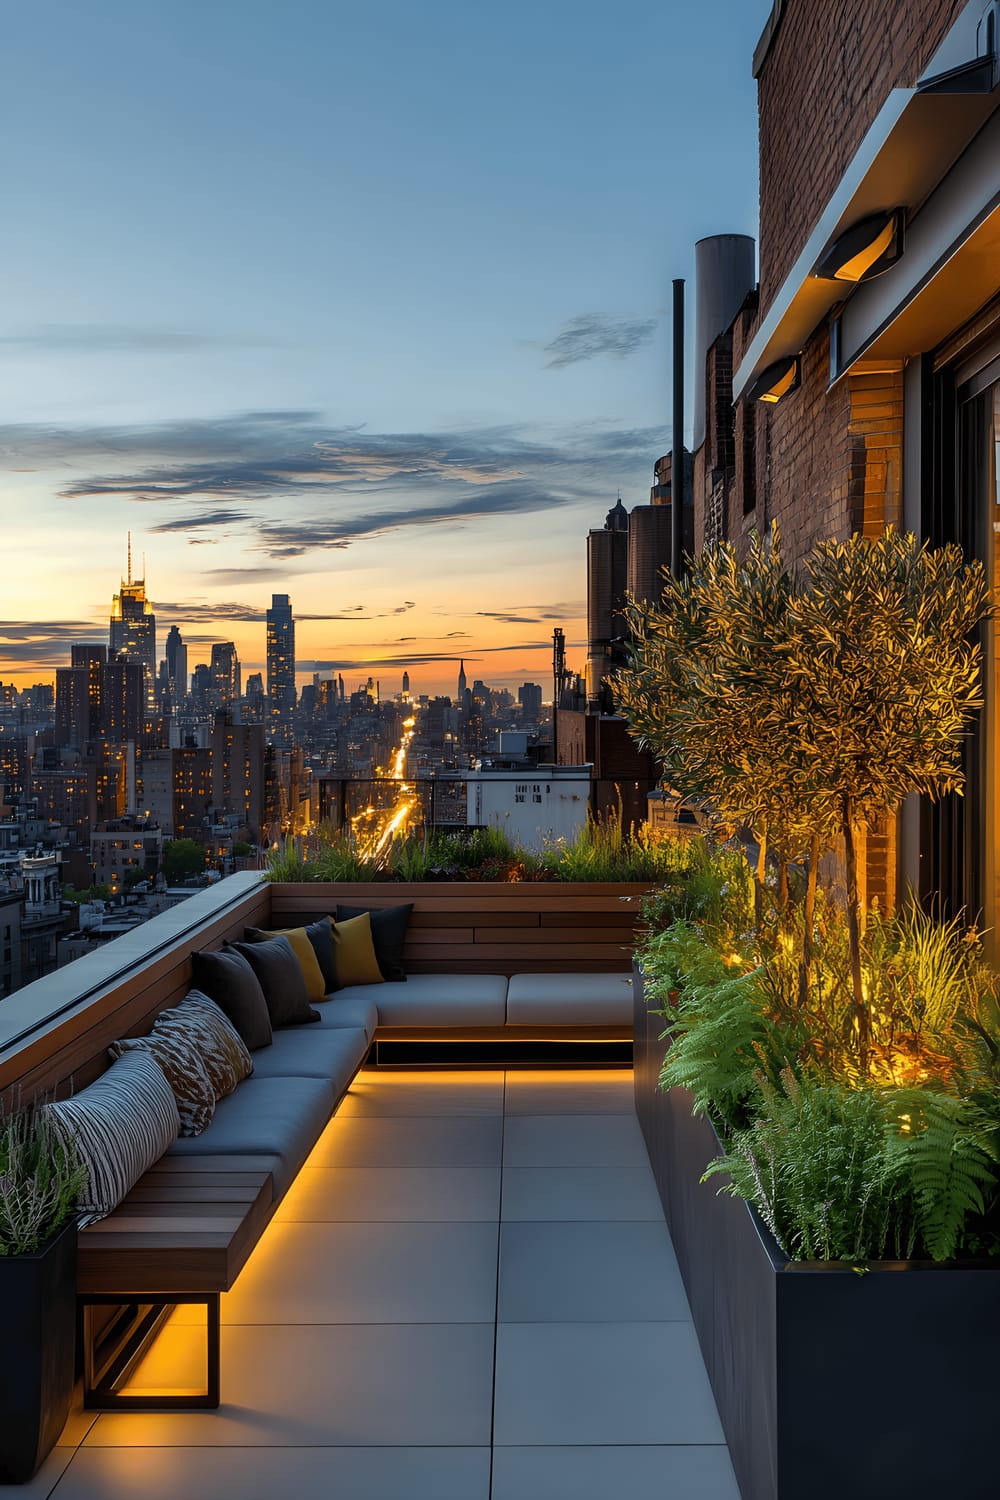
[(367, 1385), (573, 1141), (568, 1384), (265, 1473), (368, 1273), (674, 1473), (580, 1193), (392, 1194)]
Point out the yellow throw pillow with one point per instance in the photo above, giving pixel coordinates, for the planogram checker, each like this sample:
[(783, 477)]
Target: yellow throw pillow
[(306, 955), (354, 952)]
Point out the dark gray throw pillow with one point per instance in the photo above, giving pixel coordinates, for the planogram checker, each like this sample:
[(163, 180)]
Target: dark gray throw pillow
[(230, 981), (320, 934), (389, 924), (280, 976)]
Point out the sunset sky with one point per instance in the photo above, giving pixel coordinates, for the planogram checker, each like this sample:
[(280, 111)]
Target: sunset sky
[(363, 303)]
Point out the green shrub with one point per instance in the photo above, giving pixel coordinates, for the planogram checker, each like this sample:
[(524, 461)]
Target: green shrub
[(603, 850), (600, 852), (40, 1181)]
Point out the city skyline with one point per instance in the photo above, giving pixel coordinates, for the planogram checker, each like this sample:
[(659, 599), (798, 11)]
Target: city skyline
[(370, 310)]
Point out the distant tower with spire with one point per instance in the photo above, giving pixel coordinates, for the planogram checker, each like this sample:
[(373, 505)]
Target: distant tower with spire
[(132, 632), (461, 680)]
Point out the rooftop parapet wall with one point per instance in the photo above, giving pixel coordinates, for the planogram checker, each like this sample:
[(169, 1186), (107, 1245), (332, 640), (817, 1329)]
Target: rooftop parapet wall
[(54, 1033), (821, 82)]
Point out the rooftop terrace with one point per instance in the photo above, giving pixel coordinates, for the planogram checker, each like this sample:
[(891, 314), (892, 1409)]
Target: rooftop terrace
[(468, 1294)]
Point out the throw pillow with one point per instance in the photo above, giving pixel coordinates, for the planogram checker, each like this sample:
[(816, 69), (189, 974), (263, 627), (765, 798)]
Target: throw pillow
[(389, 925), (320, 934), (219, 1044), (230, 981), (120, 1125), (183, 1069), (354, 952), (280, 975), (304, 951)]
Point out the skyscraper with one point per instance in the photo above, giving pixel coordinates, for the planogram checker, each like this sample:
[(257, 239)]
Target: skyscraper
[(461, 681), (122, 700), (253, 709), (607, 571), (177, 664), (133, 631), (226, 675), (94, 658), (238, 770), (280, 669), (72, 707)]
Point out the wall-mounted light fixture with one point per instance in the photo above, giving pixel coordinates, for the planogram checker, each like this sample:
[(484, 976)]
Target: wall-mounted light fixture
[(777, 380), (865, 250)]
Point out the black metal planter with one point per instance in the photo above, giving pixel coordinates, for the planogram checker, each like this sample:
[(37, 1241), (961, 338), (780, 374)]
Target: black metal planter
[(829, 1383), (37, 1356)]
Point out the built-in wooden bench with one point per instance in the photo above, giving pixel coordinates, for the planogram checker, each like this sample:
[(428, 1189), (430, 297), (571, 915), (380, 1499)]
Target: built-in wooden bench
[(183, 1234), (188, 1226)]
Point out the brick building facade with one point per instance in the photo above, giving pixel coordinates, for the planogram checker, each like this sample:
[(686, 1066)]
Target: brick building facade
[(868, 109)]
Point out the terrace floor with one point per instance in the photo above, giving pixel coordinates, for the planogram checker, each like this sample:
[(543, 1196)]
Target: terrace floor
[(469, 1294)]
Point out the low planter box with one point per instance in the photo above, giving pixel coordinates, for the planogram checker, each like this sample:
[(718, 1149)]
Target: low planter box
[(829, 1383), (38, 1308)]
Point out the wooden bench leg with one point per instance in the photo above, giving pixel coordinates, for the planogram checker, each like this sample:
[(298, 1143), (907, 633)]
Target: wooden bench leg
[(113, 1351)]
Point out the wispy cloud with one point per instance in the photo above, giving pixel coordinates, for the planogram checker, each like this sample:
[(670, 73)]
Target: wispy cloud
[(398, 662), (285, 484), (203, 520), (195, 612), (44, 644), (293, 538), (592, 335), (533, 614), (124, 338)]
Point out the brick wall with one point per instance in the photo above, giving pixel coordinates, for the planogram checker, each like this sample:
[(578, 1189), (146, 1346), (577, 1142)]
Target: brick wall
[(822, 463), (827, 74)]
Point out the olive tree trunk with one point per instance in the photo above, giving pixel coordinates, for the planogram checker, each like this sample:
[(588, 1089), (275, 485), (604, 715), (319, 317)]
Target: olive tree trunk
[(861, 1017)]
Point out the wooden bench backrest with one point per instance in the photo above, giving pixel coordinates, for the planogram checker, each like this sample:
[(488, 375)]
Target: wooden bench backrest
[(472, 928), (70, 1051)]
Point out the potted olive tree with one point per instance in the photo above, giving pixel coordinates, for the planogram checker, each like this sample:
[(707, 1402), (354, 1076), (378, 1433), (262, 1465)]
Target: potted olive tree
[(40, 1179), (806, 705)]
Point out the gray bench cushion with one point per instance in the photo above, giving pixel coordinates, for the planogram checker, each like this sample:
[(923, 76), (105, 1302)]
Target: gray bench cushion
[(354, 1008), (438, 1000), (266, 1116), (569, 999), (313, 1052)]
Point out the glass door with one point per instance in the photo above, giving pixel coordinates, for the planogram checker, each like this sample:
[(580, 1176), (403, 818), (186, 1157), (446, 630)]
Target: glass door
[(960, 836), (990, 780)]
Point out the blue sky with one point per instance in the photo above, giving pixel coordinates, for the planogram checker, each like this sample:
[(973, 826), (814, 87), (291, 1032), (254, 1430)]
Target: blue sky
[(366, 304)]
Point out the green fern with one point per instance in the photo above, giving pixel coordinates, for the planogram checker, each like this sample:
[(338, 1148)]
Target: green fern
[(720, 1034), (950, 1153), (822, 1170)]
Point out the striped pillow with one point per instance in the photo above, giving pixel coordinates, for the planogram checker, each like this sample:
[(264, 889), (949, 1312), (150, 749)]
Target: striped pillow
[(198, 1020), (120, 1126), (184, 1070)]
